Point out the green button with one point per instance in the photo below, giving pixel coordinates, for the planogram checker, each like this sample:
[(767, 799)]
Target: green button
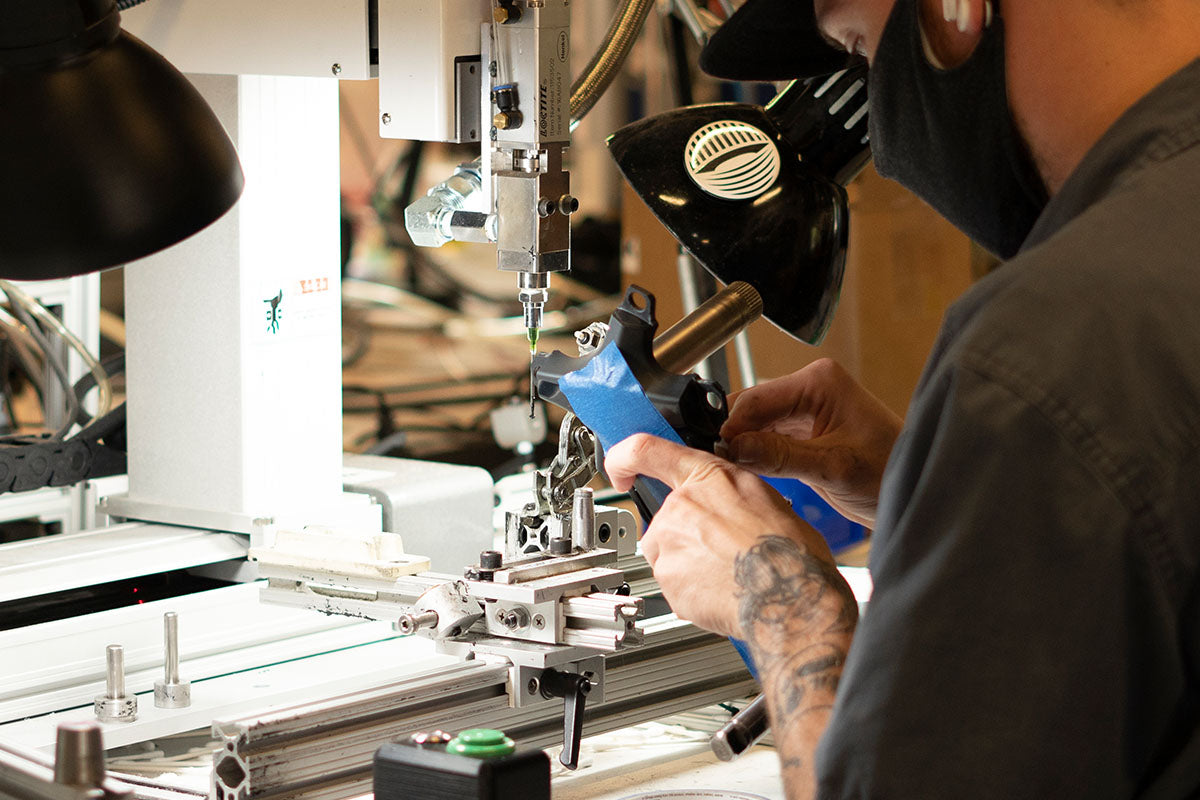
[(482, 743)]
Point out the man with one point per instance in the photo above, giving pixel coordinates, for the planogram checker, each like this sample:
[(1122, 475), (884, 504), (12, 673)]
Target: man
[(1035, 627)]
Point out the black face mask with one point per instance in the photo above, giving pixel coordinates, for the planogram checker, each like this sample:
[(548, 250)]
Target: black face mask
[(948, 135)]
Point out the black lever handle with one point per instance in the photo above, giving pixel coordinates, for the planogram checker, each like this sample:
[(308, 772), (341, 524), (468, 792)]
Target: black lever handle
[(574, 689)]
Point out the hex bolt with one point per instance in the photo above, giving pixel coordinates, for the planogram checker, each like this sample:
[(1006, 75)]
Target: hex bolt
[(504, 14), (514, 619), (507, 120), (171, 692), (114, 705), (79, 755)]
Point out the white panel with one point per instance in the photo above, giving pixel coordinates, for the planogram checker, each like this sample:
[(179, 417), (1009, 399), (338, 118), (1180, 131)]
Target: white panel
[(227, 411), (49, 564), (257, 37), (418, 42)]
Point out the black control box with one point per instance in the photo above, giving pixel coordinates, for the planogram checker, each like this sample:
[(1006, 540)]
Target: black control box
[(407, 771)]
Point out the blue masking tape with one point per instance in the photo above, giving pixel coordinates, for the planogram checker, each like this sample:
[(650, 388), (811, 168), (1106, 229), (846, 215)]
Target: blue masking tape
[(743, 650), (609, 400)]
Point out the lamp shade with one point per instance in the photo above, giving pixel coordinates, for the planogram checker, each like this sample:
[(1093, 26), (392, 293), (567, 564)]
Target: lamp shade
[(756, 194), (107, 152)]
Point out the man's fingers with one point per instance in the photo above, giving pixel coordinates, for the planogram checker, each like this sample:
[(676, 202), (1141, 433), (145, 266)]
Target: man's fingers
[(755, 408), (783, 456), (652, 457), (650, 548)]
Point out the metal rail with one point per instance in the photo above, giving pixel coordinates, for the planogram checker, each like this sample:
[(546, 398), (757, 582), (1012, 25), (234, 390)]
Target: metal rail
[(323, 751)]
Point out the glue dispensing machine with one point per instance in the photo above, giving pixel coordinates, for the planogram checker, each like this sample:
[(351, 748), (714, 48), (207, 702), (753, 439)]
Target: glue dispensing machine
[(234, 442)]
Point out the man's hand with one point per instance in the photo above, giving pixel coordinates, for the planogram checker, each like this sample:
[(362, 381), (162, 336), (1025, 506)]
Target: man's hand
[(820, 426), (714, 517), (731, 556)]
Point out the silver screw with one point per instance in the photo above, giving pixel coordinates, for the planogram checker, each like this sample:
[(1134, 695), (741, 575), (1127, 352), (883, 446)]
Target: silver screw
[(114, 705), (171, 692), (539, 622), (337, 69), (409, 624), (386, 119), (533, 686)]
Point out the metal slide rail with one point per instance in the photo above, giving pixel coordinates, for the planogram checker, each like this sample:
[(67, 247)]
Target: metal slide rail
[(323, 750)]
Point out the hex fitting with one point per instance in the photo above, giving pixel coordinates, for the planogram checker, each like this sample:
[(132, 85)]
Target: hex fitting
[(429, 219)]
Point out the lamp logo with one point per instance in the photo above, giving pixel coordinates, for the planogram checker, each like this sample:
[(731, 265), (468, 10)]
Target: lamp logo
[(732, 160)]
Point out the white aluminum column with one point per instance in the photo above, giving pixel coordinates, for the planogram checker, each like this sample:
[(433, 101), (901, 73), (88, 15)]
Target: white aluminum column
[(234, 336)]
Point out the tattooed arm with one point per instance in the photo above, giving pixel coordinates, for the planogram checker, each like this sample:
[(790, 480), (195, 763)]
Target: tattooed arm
[(732, 556), (798, 616)]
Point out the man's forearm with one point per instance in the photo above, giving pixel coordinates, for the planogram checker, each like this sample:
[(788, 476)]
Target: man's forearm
[(798, 616)]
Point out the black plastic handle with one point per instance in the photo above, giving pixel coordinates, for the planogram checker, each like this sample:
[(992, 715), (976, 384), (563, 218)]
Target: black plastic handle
[(574, 689)]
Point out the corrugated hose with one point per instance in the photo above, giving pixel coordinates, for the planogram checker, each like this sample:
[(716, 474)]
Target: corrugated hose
[(622, 32)]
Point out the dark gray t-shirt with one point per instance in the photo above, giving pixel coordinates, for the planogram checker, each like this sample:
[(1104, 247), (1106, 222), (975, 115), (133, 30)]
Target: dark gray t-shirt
[(1035, 627)]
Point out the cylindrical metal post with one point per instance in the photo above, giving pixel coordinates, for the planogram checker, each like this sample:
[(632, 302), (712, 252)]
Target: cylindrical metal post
[(79, 755), (171, 691), (114, 678), (114, 705), (708, 328), (583, 519), (171, 643)]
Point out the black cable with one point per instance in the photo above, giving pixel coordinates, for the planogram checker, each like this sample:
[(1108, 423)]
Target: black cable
[(681, 69), (453, 401), (412, 388), (125, 5)]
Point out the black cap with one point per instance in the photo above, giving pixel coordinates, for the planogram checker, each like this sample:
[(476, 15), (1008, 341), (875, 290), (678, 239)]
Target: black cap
[(772, 40)]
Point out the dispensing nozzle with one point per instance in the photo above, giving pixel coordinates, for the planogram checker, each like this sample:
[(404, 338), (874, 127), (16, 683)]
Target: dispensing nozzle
[(533, 293)]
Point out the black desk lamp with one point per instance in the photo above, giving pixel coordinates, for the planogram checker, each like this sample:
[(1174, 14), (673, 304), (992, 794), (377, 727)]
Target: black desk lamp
[(756, 194), (107, 153)]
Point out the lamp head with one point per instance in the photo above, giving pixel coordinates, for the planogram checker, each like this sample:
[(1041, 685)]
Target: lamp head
[(107, 152), (756, 194)]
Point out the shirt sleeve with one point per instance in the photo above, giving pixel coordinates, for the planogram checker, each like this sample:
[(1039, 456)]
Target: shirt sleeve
[(1016, 634)]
